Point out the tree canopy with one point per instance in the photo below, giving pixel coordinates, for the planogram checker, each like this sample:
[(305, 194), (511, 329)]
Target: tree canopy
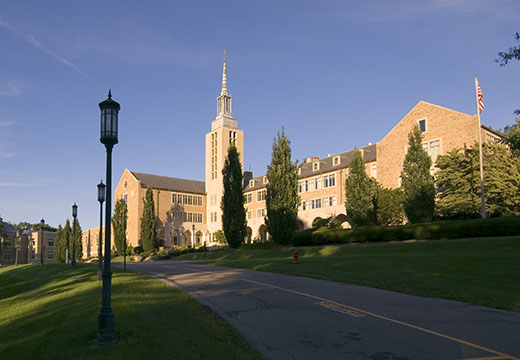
[(417, 181), (512, 53), (458, 182), (119, 225), (360, 191), (232, 203), (282, 199), (148, 223)]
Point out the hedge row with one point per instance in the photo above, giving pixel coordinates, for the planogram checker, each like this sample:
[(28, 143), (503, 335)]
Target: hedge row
[(456, 229)]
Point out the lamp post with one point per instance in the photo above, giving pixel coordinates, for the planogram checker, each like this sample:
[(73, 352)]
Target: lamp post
[(106, 320), (42, 223), (193, 236), (101, 198), (74, 215)]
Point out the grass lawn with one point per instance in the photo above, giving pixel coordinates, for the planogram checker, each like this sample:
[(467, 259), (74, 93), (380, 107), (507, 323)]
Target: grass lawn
[(50, 312), (484, 271)]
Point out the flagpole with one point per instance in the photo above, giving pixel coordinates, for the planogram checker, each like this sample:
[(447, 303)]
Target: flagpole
[(482, 194)]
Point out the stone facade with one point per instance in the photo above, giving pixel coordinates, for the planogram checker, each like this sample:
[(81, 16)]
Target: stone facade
[(321, 180)]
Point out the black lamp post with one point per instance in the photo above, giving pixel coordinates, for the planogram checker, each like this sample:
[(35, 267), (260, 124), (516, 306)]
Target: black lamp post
[(101, 198), (106, 319), (74, 215), (193, 236), (42, 222)]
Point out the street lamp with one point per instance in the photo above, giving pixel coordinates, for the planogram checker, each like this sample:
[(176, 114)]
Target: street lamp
[(42, 223), (101, 198), (74, 215), (193, 236), (106, 320)]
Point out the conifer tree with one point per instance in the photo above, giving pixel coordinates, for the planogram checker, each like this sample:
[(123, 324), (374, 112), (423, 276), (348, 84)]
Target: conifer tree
[(360, 194), (119, 225), (148, 223), (78, 246), (60, 245), (282, 199), (67, 237), (417, 182), (232, 204)]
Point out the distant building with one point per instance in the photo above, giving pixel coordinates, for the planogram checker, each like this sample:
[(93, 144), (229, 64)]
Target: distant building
[(13, 245), (41, 247), (188, 211)]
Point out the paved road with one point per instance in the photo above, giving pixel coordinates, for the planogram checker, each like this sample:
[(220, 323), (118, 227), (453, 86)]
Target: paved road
[(288, 317)]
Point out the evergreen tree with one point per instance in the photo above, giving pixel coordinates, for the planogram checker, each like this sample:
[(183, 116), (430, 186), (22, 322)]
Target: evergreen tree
[(77, 239), (417, 182), (232, 204), (119, 225), (67, 237), (282, 198), (458, 182), (148, 223), (389, 206), (360, 192), (59, 246)]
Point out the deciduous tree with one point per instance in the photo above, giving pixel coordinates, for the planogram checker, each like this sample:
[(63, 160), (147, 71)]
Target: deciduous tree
[(282, 199), (232, 204)]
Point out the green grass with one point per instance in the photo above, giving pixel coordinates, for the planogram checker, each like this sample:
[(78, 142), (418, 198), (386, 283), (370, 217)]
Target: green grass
[(50, 312), (484, 271)]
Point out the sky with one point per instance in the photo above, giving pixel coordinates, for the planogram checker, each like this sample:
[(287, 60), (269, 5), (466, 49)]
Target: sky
[(334, 74)]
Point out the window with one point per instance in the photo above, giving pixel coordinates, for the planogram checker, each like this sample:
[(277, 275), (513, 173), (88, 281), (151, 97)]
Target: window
[(315, 166), (373, 171), (435, 147), (186, 199), (214, 155), (260, 195), (125, 198), (233, 137), (7, 242), (335, 160), (125, 185), (304, 205), (251, 183), (7, 255), (50, 254), (265, 180), (249, 214), (260, 212), (300, 186), (248, 198), (422, 125), (51, 242)]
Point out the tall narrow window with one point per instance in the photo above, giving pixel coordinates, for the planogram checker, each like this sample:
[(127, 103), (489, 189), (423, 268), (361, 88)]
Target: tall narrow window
[(422, 125)]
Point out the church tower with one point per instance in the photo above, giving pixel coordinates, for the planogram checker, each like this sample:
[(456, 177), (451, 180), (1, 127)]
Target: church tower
[(223, 132)]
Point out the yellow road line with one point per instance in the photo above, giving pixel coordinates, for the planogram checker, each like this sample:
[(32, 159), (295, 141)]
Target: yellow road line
[(489, 358), (500, 354)]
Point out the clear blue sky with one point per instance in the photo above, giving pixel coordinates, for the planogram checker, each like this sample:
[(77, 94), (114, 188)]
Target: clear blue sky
[(335, 74)]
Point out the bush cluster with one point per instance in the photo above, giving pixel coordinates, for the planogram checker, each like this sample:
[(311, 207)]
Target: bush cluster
[(502, 226)]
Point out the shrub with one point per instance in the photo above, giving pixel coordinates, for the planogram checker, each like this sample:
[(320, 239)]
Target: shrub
[(138, 249), (503, 226)]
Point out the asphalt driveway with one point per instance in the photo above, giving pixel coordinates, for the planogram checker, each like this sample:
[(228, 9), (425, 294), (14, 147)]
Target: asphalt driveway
[(288, 317)]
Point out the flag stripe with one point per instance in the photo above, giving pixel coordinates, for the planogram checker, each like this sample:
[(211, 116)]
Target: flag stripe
[(479, 99)]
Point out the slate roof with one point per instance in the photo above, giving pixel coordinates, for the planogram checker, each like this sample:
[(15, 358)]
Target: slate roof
[(170, 183), (326, 165)]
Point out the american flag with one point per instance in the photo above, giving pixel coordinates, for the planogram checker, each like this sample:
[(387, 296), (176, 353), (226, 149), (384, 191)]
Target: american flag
[(480, 102)]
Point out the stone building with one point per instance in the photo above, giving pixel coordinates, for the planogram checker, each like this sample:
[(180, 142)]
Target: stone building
[(41, 247), (13, 245), (188, 211)]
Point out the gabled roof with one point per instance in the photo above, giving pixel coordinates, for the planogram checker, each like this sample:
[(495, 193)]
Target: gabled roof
[(326, 165), (170, 183)]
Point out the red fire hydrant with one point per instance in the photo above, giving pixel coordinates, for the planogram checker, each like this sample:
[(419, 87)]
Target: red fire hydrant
[(295, 257)]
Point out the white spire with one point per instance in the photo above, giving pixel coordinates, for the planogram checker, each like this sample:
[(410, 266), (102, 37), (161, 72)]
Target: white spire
[(224, 77)]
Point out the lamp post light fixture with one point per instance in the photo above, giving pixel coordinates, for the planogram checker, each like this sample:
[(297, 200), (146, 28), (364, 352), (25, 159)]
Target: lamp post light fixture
[(74, 215), (42, 223), (106, 319), (101, 198)]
